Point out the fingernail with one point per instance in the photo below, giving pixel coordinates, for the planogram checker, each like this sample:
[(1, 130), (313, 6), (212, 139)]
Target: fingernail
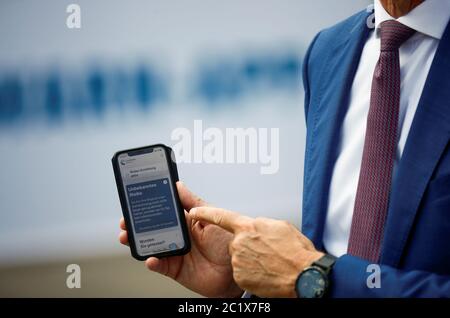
[(193, 211)]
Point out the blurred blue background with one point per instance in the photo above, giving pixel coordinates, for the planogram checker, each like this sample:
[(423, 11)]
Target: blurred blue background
[(135, 71)]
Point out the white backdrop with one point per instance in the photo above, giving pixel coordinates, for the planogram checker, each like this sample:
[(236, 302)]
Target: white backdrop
[(57, 193)]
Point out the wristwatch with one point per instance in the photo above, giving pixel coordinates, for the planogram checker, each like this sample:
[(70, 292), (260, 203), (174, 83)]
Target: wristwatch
[(313, 281)]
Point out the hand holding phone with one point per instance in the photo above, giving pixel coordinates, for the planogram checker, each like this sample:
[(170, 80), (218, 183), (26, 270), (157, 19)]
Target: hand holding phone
[(153, 214), (206, 269)]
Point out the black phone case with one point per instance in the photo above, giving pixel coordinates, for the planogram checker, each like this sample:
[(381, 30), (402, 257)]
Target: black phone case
[(126, 213)]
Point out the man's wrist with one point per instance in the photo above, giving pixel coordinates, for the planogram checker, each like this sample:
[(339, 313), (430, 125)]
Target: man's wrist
[(315, 256), (303, 262), (314, 280)]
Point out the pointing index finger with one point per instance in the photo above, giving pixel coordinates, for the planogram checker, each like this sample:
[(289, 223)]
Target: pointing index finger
[(228, 220)]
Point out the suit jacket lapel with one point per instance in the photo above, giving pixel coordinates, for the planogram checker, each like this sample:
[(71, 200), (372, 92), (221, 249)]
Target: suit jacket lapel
[(427, 139), (323, 133)]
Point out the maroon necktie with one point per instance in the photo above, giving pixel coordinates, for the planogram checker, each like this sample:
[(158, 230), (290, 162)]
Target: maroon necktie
[(374, 185)]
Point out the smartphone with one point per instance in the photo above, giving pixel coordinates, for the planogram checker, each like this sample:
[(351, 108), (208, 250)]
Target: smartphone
[(146, 181)]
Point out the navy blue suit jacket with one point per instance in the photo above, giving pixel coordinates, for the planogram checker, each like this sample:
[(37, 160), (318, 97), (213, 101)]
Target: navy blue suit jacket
[(415, 258)]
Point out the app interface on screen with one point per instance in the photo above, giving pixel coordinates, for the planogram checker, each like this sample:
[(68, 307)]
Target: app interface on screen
[(150, 198)]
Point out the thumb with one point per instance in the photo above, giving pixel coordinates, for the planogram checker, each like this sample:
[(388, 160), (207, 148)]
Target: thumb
[(156, 265)]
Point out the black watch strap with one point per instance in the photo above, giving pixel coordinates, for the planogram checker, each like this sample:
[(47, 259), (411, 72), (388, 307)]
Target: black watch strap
[(326, 262)]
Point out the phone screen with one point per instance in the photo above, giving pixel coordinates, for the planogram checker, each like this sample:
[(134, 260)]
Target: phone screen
[(151, 201)]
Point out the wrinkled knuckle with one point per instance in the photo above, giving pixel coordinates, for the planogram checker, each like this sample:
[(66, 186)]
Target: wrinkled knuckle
[(237, 277), (234, 261), (242, 238), (247, 225), (218, 219), (233, 246), (236, 243)]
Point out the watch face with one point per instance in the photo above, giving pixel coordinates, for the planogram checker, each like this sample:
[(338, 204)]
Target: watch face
[(311, 283)]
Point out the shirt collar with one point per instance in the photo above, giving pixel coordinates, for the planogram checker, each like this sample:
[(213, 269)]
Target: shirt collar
[(430, 17)]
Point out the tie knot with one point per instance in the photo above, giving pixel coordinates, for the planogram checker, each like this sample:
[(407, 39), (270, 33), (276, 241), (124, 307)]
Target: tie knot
[(393, 34)]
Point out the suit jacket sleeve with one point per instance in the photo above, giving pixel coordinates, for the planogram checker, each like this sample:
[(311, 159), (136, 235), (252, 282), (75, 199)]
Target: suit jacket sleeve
[(349, 279)]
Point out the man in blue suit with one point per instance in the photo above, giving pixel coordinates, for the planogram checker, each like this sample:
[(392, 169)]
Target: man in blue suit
[(376, 202)]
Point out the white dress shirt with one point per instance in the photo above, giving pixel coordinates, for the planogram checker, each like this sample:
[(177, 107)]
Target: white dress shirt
[(429, 19)]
